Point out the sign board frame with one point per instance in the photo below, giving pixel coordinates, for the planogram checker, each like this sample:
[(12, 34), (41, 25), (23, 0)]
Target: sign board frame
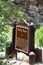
[(21, 38)]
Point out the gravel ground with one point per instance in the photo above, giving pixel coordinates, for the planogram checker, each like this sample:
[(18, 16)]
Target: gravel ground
[(14, 61)]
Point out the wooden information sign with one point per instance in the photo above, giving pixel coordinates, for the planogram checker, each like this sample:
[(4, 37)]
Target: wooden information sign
[(21, 42), (23, 38)]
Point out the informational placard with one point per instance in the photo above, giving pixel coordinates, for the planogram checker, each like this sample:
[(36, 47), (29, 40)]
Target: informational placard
[(22, 38)]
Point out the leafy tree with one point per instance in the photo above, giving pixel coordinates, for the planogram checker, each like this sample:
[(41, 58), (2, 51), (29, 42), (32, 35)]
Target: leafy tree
[(9, 12)]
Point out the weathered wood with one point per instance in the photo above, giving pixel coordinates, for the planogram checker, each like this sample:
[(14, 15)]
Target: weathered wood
[(32, 58), (30, 39), (13, 39)]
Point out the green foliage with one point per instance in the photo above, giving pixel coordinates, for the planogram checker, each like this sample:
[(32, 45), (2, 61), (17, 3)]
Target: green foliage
[(10, 11), (5, 33), (39, 37)]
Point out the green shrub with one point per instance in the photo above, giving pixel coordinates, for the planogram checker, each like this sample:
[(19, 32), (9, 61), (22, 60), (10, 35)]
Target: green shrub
[(39, 37), (5, 33)]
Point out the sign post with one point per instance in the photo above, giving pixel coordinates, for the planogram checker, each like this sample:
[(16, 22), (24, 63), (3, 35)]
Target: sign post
[(24, 38)]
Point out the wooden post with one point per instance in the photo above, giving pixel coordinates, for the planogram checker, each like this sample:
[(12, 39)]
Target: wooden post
[(13, 39), (31, 38)]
